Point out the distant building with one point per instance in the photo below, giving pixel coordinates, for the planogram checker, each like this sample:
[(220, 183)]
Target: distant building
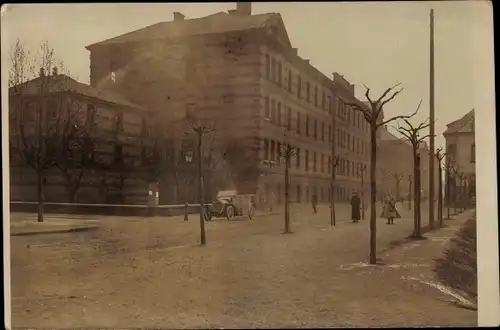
[(113, 171), (461, 152), (394, 159), (239, 74)]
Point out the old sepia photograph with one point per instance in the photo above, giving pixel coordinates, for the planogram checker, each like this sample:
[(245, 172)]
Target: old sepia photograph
[(249, 165)]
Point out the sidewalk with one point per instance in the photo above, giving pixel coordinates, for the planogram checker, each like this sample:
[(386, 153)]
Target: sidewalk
[(24, 224), (407, 276)]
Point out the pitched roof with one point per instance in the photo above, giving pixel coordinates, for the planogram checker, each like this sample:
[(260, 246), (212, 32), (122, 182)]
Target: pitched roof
[(220, 22), (385, 135), (462, 125), (64, 83)]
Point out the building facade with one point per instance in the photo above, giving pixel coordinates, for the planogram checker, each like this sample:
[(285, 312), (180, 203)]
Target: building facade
[(94, 143), (239, 74), (461, 154)]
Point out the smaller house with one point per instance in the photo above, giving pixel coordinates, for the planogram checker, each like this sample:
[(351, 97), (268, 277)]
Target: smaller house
[(93, 145)]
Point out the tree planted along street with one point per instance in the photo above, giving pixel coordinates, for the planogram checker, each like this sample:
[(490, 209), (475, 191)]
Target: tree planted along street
[(440, 155), (373, 115), (412, 135), (286, 152)]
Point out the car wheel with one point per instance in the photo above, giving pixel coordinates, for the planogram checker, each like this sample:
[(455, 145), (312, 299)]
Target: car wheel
[(230, 212)]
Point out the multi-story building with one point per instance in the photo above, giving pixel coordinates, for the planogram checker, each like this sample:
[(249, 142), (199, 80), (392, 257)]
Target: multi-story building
[(239, 74), (461, 153), (110, 170)]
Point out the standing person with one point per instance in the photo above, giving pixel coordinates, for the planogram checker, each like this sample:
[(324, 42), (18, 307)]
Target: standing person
[(389, 210), (355, 207), (314, 200)]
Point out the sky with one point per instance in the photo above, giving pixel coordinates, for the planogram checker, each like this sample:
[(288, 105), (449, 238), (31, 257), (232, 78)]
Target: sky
[(376, 44)]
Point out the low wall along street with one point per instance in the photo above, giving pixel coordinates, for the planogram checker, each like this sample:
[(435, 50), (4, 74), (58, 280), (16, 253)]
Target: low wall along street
[(104, 209)]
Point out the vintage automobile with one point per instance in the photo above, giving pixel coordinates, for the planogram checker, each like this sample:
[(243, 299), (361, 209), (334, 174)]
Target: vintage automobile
[(229, 204)]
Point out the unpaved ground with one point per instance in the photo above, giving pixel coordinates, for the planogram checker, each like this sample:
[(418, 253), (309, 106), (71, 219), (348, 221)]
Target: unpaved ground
[(136, 272)]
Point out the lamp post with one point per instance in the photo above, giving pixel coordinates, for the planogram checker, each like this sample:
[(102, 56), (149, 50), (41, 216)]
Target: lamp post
[(188, 158)]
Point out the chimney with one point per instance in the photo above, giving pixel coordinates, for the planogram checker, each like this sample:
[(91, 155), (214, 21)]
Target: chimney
[(42, 72), (178, 16), (244, 8), (54, 71)]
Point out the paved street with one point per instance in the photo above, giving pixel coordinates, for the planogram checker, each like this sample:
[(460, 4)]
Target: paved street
[(151, 273)]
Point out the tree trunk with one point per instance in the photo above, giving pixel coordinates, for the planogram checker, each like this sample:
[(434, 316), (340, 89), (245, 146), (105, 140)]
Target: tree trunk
[(201, 198), (332, 196), (417, 204), (39, 193), (373, 195), (415, 193), (440, 197), (448, 193), (409, 191), (287, 191)]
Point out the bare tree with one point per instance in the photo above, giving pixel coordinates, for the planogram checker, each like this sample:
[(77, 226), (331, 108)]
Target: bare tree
[(372, 115), (440, 155), (286, 152), (199, 131), (412, 134), (334, 162), (398, 176), (55, 131)]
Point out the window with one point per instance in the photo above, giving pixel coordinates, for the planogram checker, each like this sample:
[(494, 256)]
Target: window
[(473, 153), (299, 86), (329, 164), (315, 129), (450, 151), (267, 114), (348, 112), (330, 134), (307, 125), (118, 154), (340, 109), (308, 92), (113, 76), (322, 163), (348, 142), (316, 96), (297, 158), (298, 122), (119, 122), (323, 101), (289, 118), (273, 69), (91, 112), (289, 88), (323, 132), (314, 161), (273, 111), (347, 167), (279, 113), (298, 193), (278, 151), (330, 105), (273, 149), (266, 149), (268, 67), (359, 120), (353, 143), (280, 68), (307, 160)]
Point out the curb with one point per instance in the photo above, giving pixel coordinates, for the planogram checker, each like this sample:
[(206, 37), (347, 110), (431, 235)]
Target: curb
[(56, 231)]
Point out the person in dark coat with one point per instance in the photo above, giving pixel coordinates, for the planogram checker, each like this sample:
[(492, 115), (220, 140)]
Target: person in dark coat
[(314, 200), (355, 208)]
